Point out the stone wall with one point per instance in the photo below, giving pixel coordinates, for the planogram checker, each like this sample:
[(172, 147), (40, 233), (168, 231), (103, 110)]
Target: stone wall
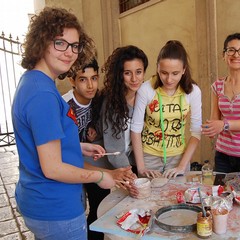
[(201, 25)]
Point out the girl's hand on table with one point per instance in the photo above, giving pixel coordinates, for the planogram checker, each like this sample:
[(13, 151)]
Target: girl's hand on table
[(173, 172), (150, 173)]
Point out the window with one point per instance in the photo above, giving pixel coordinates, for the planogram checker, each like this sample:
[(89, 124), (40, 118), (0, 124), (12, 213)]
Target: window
[(125, 5)]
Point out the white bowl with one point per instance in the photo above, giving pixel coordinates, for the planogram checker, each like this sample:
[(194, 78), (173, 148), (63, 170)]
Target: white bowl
[(142, 182), (143, 186), (159, 182)]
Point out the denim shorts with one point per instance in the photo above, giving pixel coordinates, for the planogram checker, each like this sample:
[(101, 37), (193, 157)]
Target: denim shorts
[(73, 229)]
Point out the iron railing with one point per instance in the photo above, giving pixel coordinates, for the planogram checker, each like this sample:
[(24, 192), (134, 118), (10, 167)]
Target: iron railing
[(125, 5), (10, 72)]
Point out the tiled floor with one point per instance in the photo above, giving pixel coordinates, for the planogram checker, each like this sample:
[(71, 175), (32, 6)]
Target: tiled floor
[(12, 226)]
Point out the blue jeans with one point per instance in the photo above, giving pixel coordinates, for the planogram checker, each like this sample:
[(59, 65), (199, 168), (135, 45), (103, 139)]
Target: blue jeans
[(73, 229)]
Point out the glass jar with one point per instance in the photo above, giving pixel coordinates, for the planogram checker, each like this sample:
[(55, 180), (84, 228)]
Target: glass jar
[(207, 173), (204, 225)]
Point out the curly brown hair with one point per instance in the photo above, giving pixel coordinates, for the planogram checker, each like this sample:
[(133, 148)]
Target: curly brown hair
[(114, 88), (44, 28), (174, 49)]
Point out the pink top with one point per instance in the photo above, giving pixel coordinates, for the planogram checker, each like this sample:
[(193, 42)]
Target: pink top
[(228, 142)]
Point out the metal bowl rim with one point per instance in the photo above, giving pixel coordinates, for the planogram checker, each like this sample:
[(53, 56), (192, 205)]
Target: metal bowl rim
[(177, 229)]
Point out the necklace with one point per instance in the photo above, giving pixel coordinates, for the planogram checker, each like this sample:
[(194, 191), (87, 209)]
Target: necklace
[(162, 127), (172, 99), (235, 93), (131, 99), (233, 90)]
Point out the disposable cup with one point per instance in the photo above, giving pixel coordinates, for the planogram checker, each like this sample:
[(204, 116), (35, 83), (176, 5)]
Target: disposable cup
[(220, 218), (143, 186)]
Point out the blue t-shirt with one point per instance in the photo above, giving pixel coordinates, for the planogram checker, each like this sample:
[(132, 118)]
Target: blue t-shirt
[(40, 115)]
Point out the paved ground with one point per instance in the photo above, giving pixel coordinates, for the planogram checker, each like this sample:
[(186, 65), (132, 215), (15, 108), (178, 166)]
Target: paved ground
[(12, 226)]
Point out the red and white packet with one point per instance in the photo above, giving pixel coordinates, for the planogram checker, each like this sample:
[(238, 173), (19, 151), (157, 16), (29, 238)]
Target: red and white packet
[(191, 195), (217, 190)]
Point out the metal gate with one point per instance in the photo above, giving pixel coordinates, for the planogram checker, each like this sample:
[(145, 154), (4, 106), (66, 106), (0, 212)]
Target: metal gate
[(10, 72)]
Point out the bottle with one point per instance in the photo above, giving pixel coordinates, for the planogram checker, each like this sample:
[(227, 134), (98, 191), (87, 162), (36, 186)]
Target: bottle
[(204, 225), (207, 173)]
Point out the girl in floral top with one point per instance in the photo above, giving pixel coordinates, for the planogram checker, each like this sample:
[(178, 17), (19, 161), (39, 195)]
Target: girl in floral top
[(161, 109)]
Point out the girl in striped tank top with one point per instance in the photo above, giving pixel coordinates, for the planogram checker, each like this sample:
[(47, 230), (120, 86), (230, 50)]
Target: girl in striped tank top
[(225, 111)]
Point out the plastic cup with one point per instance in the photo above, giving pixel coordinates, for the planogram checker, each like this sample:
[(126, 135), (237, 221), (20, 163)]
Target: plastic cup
[(143, 186), (220, 218)]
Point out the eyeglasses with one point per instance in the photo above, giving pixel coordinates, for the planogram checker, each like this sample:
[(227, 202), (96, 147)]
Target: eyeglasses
[(62, 45), (232, 51)]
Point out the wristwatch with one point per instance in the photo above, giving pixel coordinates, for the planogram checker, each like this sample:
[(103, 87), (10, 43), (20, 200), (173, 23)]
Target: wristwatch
[(226, 125)]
